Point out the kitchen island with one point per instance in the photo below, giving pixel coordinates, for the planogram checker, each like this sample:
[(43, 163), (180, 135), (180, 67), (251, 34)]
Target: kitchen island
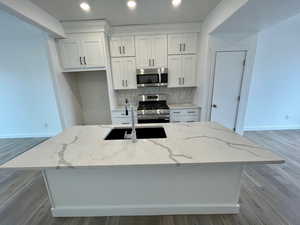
[(196, 169)]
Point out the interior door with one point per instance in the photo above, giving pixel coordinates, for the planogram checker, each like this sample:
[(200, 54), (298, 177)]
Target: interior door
[(189, 70), (70, 53), (159, 50), (143, 51), (229, 70), (93, 52), (174, 70)]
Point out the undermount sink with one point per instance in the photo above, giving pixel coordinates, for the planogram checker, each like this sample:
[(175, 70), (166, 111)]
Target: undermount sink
[(141, 133)]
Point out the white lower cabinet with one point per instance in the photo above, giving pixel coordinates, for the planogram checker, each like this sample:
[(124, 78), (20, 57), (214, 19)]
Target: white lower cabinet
[(185, 115), (119, 117)]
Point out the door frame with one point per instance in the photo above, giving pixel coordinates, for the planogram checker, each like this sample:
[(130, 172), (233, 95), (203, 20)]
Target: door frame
[(211, 94)]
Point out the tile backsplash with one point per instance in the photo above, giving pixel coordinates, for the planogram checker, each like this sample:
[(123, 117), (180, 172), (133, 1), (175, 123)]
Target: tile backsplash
[(175, 95)]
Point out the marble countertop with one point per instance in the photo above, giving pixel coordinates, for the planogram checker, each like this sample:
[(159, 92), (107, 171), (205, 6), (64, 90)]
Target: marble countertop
[(183, 106), (186, 143)]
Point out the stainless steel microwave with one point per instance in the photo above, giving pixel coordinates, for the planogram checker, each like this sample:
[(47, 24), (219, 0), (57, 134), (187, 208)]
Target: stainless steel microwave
[(153, 77)]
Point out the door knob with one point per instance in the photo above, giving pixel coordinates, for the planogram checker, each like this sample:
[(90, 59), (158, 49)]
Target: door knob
[(214, 106)]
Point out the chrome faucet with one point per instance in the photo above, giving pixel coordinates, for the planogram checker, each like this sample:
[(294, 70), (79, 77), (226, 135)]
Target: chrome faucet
[(131, 136)]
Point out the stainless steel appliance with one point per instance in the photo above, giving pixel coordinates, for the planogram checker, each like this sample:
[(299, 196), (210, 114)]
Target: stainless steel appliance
[(153, 109), (153, 77)]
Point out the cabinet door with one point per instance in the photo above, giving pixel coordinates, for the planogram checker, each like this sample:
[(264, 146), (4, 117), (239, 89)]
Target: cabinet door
[(175, 42), (159, 51), (174, 71), (115, 47), (70, 53), (128, 48), (189, 43), (143, 46), (93, 50), (129, 72), (117, 73), (189, 69)]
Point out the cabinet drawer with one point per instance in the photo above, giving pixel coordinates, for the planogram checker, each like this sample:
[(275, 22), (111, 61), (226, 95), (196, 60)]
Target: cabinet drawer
[(187, 119), (184, 112), (122, 113)]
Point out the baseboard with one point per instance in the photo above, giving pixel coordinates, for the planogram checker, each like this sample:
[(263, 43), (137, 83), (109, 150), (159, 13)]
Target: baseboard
[(274, 127), (27, 135), (140, 210)]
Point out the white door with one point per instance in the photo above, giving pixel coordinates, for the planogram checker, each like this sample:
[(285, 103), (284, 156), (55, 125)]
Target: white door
[(175, 44), (117, 73), (115, 47), (129, 72), (229, 70), (128, 46), (93, 50), (174, 71), (70, 54), (190, 43), (159, 51), (143, 51), (189, 63)]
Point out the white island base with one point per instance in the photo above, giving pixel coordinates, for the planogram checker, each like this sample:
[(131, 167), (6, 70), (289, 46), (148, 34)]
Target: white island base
[(144, 190)]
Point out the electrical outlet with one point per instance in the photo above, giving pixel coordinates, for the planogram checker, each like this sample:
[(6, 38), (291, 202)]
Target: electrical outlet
[(287, 117), (46, 125)]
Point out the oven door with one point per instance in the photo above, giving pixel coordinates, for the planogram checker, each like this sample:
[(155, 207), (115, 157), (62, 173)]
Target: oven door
[(147, 80)]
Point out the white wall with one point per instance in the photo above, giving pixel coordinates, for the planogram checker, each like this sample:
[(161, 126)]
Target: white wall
[(66, 90), (274, 101), (28, 106), (93, 92)]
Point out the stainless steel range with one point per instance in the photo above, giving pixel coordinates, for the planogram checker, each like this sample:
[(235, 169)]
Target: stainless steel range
[(153, 109)]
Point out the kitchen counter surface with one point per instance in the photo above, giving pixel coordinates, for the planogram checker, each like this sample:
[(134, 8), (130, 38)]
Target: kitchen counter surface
[(183, 106), (186, 143)]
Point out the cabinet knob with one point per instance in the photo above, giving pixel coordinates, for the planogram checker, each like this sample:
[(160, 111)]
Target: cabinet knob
[(214, 106)]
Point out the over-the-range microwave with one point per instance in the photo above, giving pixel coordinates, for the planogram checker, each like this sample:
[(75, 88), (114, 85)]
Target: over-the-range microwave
[(152, 77)]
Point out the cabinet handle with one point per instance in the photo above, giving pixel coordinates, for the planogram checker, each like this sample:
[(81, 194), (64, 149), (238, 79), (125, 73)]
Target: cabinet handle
[(123, 49), (80, 60), (152, 62), (180, 47), (84, 60), (122, 83), (149, 62), (184, 47), (126, 83), (120, 50), (183, 80)]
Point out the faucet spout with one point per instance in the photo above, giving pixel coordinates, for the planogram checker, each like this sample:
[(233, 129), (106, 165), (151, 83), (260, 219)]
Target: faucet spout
[(133, 131)]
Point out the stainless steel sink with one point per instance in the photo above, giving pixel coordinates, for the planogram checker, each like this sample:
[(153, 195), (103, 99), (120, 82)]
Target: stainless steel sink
[(141, 133)]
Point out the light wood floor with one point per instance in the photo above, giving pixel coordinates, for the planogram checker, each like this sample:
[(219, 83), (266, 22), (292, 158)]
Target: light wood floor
[(270, 194)]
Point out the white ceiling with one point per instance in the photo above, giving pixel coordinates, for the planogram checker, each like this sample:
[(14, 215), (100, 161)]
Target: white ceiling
[(117, 13)]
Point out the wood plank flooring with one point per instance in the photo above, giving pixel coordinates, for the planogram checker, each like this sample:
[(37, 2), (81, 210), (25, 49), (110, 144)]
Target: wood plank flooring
[(270, 194)]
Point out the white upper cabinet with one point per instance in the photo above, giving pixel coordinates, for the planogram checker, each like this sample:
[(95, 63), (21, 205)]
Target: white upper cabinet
[(122, 46), (182, 70), (70, 53), (124, 73), (82, 52), (151, 51), (182, 43)]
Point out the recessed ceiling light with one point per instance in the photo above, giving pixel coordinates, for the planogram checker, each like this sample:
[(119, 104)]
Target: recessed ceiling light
[(131, 4), (176, 3), (85, 6)]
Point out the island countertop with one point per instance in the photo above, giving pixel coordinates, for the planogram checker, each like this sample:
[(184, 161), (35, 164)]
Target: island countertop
[(186, 143)]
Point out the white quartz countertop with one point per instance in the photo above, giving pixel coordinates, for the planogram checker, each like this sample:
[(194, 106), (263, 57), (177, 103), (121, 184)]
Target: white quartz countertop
[(182, 106), (186, 143)]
